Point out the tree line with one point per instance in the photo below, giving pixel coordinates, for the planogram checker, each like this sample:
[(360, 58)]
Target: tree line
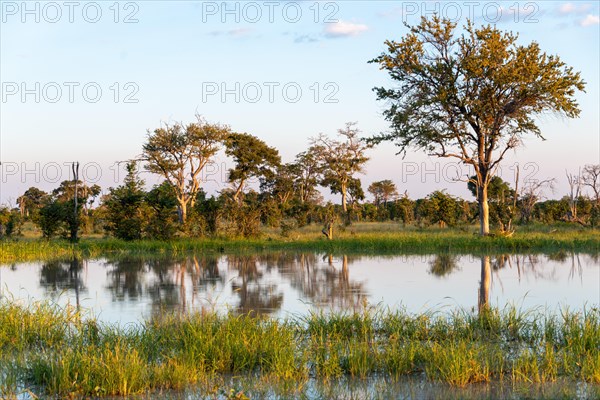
[(288, 198)]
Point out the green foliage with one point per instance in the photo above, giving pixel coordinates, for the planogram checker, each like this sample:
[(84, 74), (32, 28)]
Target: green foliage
[(162, 223), (244, 217), (4, 221), (31, 201), (11, 222), (439, 208), (53, 218), (383, 191), (498, 190), (210, 209), (125, 213), (253, 159)]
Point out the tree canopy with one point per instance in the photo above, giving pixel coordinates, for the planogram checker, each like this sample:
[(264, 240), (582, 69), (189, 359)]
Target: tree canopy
[(471, 95), (253, 158), (179, 154), (340, 160)]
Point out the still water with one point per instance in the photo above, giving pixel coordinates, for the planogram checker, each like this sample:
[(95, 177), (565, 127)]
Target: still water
[(124, 290)]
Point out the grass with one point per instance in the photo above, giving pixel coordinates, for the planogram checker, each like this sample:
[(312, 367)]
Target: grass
[(366, 238), (48, 350)]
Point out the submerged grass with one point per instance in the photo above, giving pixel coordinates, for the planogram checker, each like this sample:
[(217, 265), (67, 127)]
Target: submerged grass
[(54, 351), (360, 238)]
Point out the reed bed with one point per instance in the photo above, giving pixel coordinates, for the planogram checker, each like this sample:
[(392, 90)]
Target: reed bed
[(53, 351)]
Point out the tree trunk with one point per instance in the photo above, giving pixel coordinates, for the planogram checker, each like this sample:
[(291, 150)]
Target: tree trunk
[(484, 285), (328, 230), (344, 202), (484, 210), (182, 211), (238, 191)]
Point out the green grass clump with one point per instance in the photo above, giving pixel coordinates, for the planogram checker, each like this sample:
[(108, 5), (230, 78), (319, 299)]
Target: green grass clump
[(50, 350)]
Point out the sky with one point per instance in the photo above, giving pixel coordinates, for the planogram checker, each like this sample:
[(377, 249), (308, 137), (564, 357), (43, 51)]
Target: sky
[(85, 81)]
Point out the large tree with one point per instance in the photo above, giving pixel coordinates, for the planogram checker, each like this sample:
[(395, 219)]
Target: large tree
[(340, 160), (179, 154), (471, 96), (253, 159)]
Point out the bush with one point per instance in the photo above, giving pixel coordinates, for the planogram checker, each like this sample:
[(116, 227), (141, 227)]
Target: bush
[(52, 218)]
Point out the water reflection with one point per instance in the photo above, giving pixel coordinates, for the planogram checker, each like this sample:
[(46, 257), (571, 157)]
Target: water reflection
[(443, 264), (484, 283), (57, 277), (283, 283), (256, 294)]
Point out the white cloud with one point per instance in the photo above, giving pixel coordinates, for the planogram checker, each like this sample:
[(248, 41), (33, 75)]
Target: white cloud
[(570, 8), (344, 29), (590, 20)]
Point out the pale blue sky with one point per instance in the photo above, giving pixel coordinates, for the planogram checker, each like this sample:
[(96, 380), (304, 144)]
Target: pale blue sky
[(178, 50)]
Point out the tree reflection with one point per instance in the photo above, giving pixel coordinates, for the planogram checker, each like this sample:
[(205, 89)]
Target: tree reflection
[(324, 283), (260, 282), (443, 264), (125, 279), (484, 284), (59, 276), (255, 295), (165, 288)]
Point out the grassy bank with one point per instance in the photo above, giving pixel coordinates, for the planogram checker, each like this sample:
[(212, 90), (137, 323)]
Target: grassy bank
[(360, 238), (48, 350)]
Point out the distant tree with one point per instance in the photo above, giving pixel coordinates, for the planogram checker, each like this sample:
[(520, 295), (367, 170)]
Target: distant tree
[(179, 153), (531, 194), (383, 191), (53, 217), (125, 207), (253, 159), (439, 208), (281, 184), (472, 97), (307, 170), (162, 200), (550, 211), (355, 195), (5, 215), (211, 209), (31, 201), (86, 195), (591, 178), (575, 183), (340, 160), (403, 209)]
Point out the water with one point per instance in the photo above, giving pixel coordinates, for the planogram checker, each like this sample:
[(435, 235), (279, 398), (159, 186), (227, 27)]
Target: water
[(125, 290)]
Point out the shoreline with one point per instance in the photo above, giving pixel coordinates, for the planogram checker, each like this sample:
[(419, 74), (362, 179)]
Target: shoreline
[(367, 243)]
